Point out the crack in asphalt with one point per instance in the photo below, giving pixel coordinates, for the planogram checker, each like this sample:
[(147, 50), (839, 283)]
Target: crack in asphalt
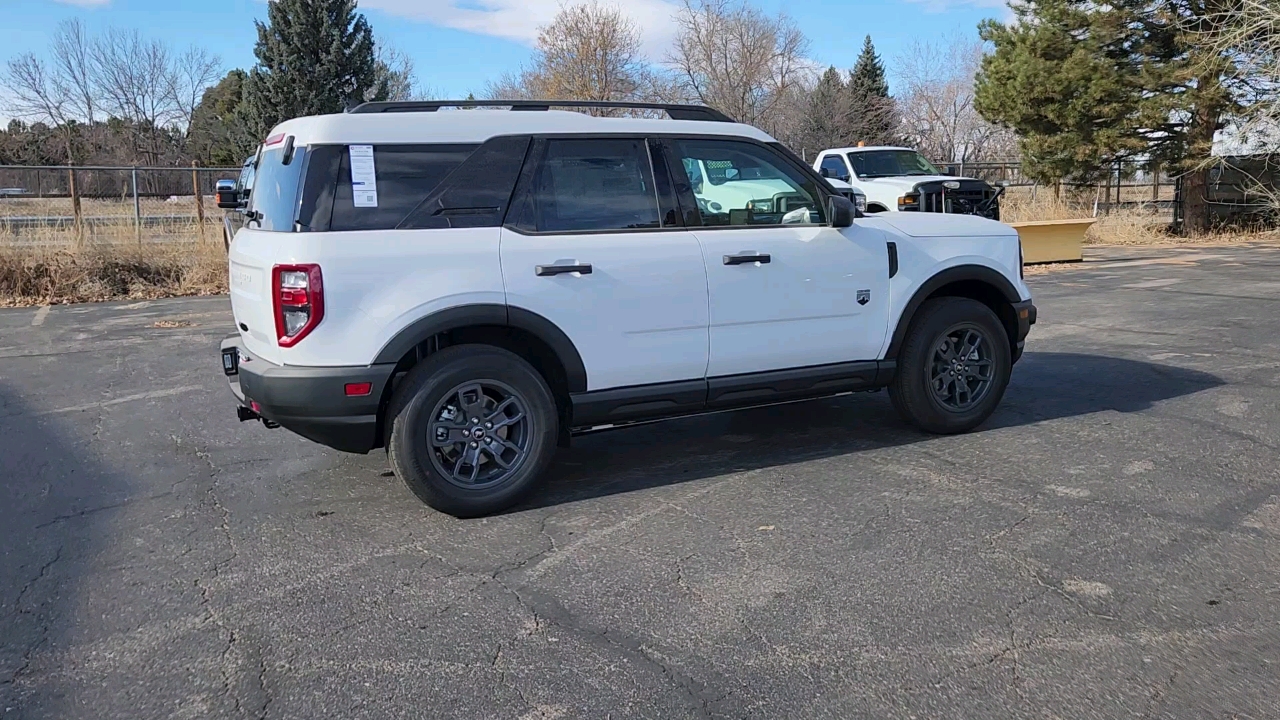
[(93, 511), (546, 609), (232, 659), (44, 627)]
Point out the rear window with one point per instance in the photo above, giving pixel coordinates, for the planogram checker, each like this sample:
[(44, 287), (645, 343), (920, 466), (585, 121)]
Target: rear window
[(275, 189), (404, 174)]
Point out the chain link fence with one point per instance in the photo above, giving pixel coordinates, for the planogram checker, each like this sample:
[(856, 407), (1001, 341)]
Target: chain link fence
[(53, 205)]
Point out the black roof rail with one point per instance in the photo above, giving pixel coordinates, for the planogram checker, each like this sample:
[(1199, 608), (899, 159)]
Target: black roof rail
[(674, 111)]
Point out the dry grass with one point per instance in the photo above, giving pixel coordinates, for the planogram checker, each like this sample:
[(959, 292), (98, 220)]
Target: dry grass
[(47, 269), (105, 207), (1131, 226), (1136, 226)]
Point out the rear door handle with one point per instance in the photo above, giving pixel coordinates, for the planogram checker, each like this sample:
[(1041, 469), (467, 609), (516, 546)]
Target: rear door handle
[(549, 270), (747, 257)]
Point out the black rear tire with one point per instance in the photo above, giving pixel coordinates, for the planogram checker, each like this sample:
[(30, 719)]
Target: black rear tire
[(928, 390), (439, 445)]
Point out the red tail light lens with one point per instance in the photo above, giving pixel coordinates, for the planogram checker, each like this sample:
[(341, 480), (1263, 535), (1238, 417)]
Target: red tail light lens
[(297, 293)]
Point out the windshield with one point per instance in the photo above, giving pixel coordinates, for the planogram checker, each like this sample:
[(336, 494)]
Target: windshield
[(721, 171), (890, 163)]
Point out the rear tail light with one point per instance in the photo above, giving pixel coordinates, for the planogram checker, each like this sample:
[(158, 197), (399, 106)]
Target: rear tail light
[(297, 293)]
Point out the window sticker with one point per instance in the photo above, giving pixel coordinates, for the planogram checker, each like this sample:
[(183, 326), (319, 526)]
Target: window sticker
[(364, 180)]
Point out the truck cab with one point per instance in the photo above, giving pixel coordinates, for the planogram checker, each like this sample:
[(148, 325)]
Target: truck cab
[(900, 179)]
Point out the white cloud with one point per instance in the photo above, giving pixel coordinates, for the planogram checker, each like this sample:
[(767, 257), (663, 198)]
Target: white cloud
[(519, 20)]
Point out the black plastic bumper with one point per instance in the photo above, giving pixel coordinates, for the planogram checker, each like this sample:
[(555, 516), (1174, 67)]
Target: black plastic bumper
[(312, 401), (1025, 312)]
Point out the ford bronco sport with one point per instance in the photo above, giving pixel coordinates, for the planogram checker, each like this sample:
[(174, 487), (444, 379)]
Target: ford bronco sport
[(468, 288)]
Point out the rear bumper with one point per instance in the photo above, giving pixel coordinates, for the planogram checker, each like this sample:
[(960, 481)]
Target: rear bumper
[(1025, 312), (312, 401)]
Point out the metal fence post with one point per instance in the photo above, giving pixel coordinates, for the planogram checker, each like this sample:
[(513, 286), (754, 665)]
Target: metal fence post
[(137, 207)]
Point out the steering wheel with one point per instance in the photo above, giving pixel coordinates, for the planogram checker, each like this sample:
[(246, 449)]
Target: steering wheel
[(703, 206)]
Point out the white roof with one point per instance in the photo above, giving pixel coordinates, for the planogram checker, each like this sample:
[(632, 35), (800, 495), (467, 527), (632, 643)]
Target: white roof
[(474, 126), (867, 148)]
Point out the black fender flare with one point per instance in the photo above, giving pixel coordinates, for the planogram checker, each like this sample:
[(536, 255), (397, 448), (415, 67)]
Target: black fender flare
[(490, 314), (959, 273)]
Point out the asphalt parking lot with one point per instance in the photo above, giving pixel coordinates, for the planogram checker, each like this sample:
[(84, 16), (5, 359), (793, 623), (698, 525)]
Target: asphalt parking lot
[(1108, 545)]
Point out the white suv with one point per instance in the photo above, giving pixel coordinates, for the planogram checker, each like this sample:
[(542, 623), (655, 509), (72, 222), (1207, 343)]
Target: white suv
[(469, 287)]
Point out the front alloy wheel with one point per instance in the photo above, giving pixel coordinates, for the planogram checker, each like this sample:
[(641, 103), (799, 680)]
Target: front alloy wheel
[(953, 366), (962, 368)]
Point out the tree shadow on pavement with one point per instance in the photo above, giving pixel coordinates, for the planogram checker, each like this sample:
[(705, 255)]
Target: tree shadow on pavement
[(1045, 386), (56, 508)]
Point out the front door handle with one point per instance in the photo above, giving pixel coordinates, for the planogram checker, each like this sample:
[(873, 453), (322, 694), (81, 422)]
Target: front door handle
[(746, 257), (549, 270)]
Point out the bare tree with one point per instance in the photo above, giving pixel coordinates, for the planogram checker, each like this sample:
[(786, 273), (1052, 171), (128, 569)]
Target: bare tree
[(1249, 34), (191, 74), (143, 83), (588, 52), (735, 58), (937, 108), (401, 76), (62, 91), (70, 53)]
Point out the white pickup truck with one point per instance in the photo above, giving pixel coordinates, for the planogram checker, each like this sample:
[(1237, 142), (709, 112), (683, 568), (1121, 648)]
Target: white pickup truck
[(901, 179)]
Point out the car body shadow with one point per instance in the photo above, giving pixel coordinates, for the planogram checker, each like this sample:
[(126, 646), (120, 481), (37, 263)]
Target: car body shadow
[(1045, 386)]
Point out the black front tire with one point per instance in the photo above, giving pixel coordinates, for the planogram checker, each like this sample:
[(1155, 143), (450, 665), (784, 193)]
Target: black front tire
[(912, 391), (418, 398)]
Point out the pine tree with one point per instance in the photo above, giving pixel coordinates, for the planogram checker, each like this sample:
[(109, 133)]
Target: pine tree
[(868, 88), (210, 136), (828, 119), (314, 57), (1086, 85)]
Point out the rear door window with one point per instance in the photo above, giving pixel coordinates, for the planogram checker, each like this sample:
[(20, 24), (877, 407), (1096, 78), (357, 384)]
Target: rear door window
[(405, 176), (589, 185), (274, 200)]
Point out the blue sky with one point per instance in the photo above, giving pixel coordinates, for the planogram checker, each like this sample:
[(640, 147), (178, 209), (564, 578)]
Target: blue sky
[(458, 44)]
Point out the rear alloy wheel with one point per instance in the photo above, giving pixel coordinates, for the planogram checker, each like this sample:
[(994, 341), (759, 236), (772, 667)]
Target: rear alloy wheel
[(479, 434), (473, 428), (953, 367)]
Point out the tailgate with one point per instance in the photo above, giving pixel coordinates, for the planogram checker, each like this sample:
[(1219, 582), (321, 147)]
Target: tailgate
[(251, 302)]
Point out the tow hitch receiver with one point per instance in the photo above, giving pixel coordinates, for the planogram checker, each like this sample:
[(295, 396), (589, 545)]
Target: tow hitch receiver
[(245, 413)]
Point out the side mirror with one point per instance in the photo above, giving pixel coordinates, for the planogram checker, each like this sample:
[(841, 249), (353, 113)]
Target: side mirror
[(825, 172), (952, 170), (841, 210), (227, 195)]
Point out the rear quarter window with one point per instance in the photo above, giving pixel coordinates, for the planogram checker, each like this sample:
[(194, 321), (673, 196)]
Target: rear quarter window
[(405, 175)]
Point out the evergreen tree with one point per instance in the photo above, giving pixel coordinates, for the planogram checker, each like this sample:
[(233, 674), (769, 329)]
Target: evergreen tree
[(1085, 85), (876, 114), (211, 138), (829, 119), (314, 57)]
